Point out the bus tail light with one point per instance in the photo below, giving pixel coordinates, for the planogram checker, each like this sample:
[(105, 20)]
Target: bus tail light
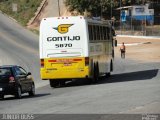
[(86, 61), (42, 62)]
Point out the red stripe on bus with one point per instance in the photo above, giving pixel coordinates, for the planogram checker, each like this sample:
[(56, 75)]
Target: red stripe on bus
[(52, 60), (77, 59)]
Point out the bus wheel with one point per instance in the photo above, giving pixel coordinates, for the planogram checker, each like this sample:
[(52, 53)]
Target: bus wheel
[(108, 74), (54, 83), (62, 83), (111, 69), (97, 66), (111, 66), (113, 53), (95, 72)]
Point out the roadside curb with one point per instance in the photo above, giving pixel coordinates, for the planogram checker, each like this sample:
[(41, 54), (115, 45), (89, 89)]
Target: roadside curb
[(133, 44), (9, 16), (37, 12), (143, 37)]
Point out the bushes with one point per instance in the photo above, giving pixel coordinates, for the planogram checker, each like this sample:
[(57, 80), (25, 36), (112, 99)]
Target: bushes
[(25, 9)]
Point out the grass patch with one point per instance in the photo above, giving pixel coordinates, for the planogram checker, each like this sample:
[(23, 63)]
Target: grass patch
[(34, 31), (25, 9)]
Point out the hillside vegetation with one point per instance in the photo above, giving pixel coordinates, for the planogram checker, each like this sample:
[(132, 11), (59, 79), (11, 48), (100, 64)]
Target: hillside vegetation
[(25, 9)]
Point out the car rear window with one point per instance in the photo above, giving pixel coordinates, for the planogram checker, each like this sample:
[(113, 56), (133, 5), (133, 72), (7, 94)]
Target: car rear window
[(5, 71), (4, 74)]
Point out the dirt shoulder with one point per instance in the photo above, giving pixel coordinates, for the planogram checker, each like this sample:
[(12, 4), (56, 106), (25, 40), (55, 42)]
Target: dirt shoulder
[(49, 9), (148, 50)]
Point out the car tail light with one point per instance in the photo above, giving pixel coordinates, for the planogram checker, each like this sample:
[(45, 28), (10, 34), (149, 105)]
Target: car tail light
[(11, 79), (42, 62), (86, 61)]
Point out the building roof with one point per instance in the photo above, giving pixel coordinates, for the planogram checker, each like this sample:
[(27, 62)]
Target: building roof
[(125, 7)]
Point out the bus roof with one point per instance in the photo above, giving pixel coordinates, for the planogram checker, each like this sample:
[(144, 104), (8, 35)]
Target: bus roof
[(89, 20)]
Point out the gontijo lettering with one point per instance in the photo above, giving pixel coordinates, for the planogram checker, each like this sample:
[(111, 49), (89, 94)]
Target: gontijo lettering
[(63, 38), (63, 28)]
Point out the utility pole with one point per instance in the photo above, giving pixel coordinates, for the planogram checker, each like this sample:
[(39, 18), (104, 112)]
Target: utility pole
[(120, 17), (59, 8), (101, 9), (111, 9)]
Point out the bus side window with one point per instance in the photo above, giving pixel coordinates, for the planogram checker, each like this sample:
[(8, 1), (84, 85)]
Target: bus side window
[(102, 34), (95, 34), (90, 32), (93, 31), (100, 38), (105, 33), (98, 33), (108, 33)]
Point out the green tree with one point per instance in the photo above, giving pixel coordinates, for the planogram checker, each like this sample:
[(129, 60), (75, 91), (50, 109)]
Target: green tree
[(94, 7), (105, 8)]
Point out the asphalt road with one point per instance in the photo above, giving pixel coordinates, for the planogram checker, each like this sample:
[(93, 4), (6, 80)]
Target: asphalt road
[(134, 86), (19, 46)]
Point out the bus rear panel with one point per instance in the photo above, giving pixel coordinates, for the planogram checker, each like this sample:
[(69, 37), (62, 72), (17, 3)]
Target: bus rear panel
[(64, 68), (63, 48)]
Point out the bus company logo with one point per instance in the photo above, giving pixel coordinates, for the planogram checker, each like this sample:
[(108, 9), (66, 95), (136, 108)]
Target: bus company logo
[(63, 28)]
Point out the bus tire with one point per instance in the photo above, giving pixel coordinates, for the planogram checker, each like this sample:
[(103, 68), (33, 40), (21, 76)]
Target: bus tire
[(97, 66), (54, 83), (95, 72), (108, 74), (113, 53), (111, 66), (62, 83)]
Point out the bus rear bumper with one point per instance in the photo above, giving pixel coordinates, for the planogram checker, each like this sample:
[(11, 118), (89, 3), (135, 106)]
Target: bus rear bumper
[(63, 74)]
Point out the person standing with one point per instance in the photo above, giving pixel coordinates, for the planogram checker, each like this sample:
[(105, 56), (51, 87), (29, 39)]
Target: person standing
[(123, 50)]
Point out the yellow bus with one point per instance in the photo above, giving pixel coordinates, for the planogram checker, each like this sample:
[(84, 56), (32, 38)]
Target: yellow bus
[(75, 47)]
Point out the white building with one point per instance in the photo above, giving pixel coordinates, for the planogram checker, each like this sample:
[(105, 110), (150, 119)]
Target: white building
[(137, 12)]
